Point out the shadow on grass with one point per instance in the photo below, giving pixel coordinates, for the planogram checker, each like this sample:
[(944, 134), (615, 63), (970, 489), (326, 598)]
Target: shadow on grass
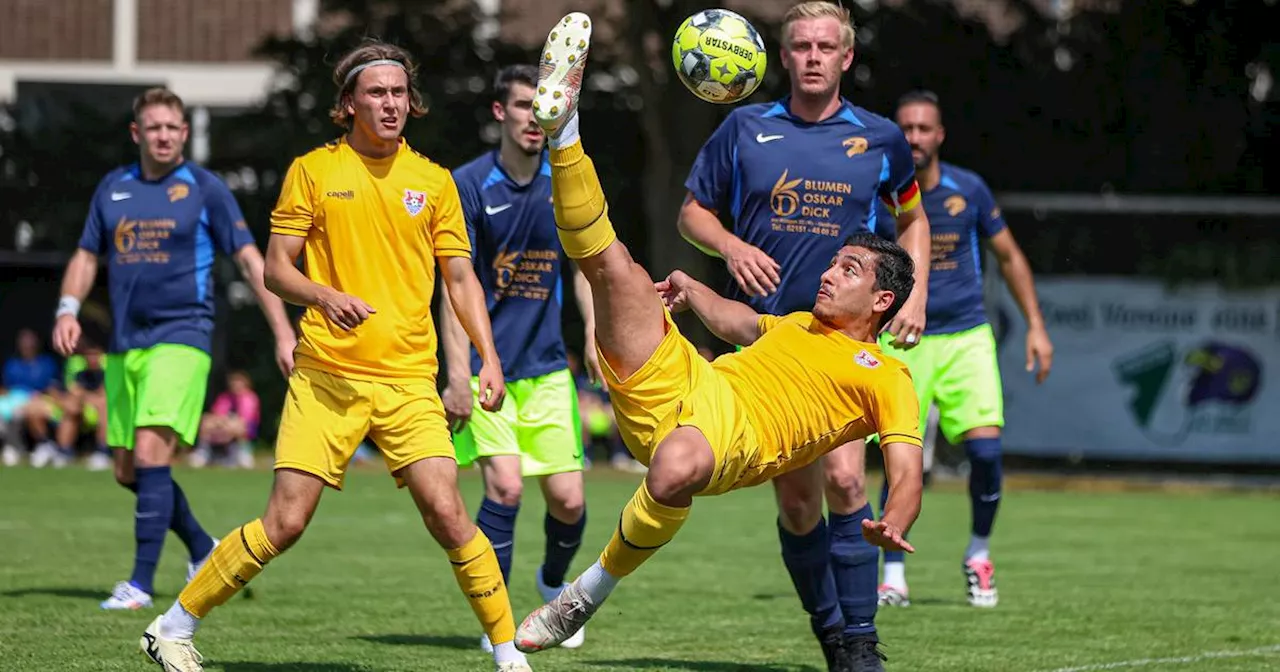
[(288, 667), (95, 594), (698, 665), (457, 642)]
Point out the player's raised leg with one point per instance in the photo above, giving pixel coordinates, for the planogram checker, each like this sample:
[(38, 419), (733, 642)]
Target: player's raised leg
[(630, 326)]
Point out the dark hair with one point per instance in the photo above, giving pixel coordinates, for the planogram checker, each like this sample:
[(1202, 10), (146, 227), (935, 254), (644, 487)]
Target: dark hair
[(372, 50), (512, 74), (157, 96), (894, 269), (920, 96)]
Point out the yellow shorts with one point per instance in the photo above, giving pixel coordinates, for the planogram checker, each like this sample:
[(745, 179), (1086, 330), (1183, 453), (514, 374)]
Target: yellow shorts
[(326, 417), (676, 387)]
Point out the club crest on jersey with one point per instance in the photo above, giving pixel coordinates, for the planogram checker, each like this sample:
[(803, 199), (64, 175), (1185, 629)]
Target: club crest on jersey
[(866, 359), (854, 146), (177, 192), (414, 201), (954, 205)]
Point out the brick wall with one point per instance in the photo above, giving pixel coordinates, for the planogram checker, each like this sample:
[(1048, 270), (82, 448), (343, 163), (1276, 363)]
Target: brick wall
[(65, 30), (206, 31)]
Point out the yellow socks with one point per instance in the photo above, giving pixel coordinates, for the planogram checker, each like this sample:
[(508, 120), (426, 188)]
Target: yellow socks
[(582, 214), (645, 527), (236, 559), (476, 568)]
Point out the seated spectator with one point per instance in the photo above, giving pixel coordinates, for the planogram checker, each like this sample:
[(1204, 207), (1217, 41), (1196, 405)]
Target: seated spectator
[(30, 388), (597, 420), (228, 430), (84, 405)]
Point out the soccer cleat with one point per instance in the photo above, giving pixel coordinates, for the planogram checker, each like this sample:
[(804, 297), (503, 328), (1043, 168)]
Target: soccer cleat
[(194, 566), (556, 621), (862, 654), (560, 72), (833, 649), (174, 655), (550, 593), (514, 666), (890, 596), (127, 596), (980, 577)]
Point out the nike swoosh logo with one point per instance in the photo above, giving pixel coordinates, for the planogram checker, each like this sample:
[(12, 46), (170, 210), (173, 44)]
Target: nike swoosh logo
[(495, 209), (119, 196), (762, 138)]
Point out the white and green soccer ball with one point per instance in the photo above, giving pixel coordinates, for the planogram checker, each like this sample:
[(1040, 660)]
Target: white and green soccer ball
[(719, 56)]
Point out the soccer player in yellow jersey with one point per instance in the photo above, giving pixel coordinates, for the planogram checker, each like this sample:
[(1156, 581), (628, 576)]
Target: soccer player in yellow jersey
[(371, 218), (803, 384)]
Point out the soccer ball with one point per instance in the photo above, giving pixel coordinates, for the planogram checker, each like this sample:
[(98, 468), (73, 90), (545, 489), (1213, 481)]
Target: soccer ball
[(719, 56)]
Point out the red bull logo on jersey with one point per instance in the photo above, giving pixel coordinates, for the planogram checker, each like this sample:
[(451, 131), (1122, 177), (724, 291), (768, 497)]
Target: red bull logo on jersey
[(866, 359), (414, 201)]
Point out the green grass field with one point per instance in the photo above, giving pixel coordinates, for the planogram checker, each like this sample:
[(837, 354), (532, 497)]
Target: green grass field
[(1086, 579)]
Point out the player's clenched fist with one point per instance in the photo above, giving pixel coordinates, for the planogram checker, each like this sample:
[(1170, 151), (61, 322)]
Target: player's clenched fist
[(493, 388), (344, 310), (675, 291)]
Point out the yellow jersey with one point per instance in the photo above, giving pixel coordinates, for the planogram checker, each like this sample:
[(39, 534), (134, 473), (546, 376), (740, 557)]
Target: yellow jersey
[(807, 388), (373, 229)]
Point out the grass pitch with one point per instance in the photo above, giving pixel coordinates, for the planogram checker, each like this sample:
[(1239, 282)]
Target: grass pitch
[(1185, 581)]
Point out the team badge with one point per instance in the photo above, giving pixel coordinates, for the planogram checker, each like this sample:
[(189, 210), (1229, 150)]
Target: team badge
[(178, 191), (955, 205), (865, 359), (854, 146), (414, 201)]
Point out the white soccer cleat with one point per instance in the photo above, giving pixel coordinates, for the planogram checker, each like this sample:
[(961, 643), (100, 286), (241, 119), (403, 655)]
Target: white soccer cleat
[(550, 593), (556, 621), (980, 577), (889, 596), (194, 566), (174, 655), (485, 644), (560, 73), (514, 666), (127, 596), (99, 461)]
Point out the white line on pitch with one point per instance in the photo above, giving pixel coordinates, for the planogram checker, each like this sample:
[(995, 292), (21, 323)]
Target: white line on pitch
[(1180, 660)]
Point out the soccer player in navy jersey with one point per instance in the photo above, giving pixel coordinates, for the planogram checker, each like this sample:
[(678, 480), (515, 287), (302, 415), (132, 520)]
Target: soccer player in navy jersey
[(954, 366), (506, 201), (156, 224), (796, 177)]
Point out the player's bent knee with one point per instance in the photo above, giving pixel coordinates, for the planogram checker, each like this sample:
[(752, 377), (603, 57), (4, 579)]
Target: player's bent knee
[(505, 490), (285, 528), (846, 487), (682, 465)]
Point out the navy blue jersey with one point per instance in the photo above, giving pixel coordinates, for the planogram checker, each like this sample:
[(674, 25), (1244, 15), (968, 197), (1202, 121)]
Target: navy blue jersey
[(962, 214), (518, 258), (796, 190), (159, 238)]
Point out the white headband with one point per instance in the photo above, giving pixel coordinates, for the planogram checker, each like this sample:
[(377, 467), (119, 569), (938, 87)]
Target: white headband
[(381, 61)]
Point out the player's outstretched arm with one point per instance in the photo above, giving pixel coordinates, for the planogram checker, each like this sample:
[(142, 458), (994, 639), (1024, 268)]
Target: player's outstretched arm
[(914, 237), (76, 283), (904, 466), (467, 298), (1017, 274), (252, 266), (282, 277), (754, 271), (457, 360), (730, 321)]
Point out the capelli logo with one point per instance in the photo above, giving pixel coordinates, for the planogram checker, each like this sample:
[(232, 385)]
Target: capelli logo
[(348, 195)]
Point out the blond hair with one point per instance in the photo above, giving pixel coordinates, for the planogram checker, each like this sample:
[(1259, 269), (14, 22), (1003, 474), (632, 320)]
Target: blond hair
[(819, 9), (157, 96), (372, 50)]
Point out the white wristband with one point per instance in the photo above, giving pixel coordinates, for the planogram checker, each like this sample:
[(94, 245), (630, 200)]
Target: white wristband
[(68, 305)]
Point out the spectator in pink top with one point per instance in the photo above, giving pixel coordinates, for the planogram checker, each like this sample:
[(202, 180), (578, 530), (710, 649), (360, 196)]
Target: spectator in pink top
[(228, 430)]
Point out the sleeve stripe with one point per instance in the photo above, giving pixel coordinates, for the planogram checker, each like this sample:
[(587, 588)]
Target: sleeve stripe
[(901, 438)]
